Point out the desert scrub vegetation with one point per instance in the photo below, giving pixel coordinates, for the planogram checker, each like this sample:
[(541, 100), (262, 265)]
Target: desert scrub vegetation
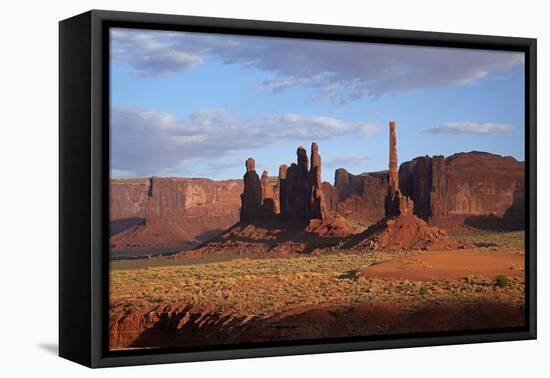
[(513, 241), (502, 281), (269, 286)]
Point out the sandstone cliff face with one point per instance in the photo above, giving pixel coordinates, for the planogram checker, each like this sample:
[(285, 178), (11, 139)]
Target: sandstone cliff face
[(128, 203), (481, 183), (360, 198), (171, 212), (128, 198), (465, 184), (331, 196), (453, 189), (176, 198)]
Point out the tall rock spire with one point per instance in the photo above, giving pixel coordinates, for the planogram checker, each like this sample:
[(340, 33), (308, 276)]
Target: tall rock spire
[(300, 173), (317, 206), (395, 203), (251, 197), (393, 181)]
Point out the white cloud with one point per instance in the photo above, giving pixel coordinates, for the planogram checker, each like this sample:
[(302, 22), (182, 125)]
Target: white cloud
[(337, 71), (470, 128), (153, 53), (146, 142)]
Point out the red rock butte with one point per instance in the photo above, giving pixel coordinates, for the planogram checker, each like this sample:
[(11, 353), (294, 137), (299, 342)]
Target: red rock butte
[(166, 212)]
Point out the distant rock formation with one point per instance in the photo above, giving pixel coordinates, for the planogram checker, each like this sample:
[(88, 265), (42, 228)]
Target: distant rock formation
[(172, 199), (128, 203), (160, 212), (305, 225), (359, 198), (300, 191), (331, 197), (476, 189), (445, 191), (466, 185)]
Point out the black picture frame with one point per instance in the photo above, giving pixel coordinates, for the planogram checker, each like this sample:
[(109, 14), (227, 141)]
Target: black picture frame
[(84, 185)]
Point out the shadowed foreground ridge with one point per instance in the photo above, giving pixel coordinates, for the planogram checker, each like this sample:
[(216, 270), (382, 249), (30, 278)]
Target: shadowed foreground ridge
[(301, 298), (183, 326)]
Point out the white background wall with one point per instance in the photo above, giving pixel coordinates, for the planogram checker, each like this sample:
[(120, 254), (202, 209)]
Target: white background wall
[(29, 186)]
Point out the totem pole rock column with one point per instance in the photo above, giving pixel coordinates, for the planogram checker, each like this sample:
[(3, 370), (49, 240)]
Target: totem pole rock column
[(395, 203), (317, 207)]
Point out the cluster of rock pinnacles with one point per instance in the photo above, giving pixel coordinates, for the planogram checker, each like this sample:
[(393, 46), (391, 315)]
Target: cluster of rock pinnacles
[(300, 195)]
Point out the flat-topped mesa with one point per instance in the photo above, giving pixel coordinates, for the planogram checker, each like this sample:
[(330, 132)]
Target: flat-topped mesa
[(251, 198), (395, 203)]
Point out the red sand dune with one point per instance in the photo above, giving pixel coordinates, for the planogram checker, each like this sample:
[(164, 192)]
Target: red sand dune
[(448, 266)]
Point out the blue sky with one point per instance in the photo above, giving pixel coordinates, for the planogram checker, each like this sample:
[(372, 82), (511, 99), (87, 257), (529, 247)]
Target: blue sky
[(198, 105)]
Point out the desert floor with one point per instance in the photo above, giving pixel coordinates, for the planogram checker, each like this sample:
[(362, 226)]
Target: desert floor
[(180, 303)]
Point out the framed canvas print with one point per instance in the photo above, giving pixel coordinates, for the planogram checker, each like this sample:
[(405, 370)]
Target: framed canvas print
[(233, 188)]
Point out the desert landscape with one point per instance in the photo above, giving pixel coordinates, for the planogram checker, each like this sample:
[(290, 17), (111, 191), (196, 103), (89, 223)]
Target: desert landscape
[(429, 245)]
